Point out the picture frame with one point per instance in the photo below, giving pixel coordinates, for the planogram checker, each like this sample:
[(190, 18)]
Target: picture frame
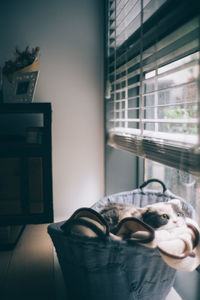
[(24, 85)]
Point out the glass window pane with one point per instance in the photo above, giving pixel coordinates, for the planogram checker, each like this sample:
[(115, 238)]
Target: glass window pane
[(180, 183)]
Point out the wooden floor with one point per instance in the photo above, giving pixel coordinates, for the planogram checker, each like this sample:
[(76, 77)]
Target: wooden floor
[(27, 272)]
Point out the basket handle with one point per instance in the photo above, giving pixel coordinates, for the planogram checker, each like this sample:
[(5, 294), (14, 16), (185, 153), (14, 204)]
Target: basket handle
[(154, 180)]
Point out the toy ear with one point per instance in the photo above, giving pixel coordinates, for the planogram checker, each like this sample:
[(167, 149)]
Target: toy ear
[(175, 201)]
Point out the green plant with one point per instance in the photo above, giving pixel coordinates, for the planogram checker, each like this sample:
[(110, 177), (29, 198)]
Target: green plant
[(180, 113), (22, 60)]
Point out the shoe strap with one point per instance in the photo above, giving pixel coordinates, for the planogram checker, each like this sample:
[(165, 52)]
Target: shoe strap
[(78, 218), (139, 226)]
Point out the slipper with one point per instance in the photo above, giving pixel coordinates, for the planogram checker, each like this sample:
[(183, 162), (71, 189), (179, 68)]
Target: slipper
[(87, 222), (134, 230)]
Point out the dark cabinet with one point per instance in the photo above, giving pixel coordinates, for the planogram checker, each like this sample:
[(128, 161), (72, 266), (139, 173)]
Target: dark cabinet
[(25, 163)]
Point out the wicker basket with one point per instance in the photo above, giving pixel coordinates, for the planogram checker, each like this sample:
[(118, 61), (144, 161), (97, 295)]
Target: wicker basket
[(94, 269)]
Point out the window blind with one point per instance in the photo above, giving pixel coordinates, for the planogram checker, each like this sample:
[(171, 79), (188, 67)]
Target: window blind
[(153, 70)]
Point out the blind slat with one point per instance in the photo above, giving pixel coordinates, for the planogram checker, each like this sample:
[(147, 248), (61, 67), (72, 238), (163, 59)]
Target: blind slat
[(176, 157)]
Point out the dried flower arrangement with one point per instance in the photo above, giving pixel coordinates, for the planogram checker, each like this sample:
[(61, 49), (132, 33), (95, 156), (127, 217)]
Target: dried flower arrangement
[(22, 60)]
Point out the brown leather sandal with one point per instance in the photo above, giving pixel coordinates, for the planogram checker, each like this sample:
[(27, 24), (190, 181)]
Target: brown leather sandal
[(134, 230), (86, 222)]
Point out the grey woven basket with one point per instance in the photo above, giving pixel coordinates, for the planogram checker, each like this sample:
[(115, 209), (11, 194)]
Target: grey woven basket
[(96, 269)]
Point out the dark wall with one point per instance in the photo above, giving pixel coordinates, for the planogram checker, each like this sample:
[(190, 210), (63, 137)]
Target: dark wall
[(121, 171)]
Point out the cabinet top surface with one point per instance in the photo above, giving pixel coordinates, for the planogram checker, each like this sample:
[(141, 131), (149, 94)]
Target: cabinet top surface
[(25, 107)]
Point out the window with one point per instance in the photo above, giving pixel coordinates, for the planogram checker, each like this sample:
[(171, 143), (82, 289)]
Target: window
[(180, 183), (153, 105)]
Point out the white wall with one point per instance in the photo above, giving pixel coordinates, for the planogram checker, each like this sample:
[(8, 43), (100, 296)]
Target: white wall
[(70, 34)]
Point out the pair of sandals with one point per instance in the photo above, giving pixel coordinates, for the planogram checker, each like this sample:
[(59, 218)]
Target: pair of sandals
[(88, 222)]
